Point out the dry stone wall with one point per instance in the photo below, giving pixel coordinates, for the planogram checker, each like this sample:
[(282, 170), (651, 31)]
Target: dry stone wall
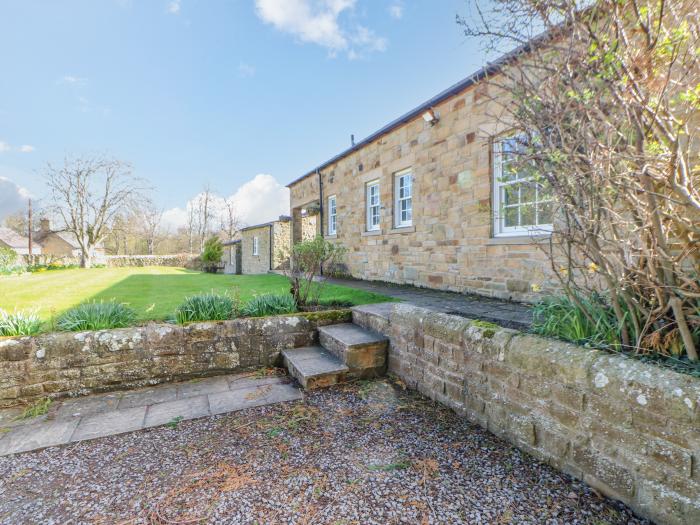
[(180, 260), (66, 364), (627, 428)]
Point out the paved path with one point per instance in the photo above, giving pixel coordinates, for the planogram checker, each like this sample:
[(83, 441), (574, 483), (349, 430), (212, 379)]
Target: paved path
[(101, 415), (504, 313)]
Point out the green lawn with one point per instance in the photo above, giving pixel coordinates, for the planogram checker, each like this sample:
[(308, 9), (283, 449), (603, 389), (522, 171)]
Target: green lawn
[(154, 292)]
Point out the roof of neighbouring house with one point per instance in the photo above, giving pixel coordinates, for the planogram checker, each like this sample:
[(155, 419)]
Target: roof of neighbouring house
[(451, 91), (282, 218), (66, 236), (13, 239), (231, 242)]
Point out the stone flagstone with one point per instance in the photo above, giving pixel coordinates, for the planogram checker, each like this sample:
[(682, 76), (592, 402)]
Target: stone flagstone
[(103, 415)]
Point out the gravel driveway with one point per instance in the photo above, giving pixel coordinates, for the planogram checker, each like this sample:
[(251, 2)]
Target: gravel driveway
[(361, 453)]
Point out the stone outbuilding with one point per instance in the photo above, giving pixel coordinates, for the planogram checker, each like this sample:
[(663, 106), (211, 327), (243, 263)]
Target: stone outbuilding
[(232, 257), (424, 201), (265, 247)]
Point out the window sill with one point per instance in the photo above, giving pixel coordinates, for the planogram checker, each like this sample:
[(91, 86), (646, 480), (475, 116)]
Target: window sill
[(370, 233), (331, 237), (518, 239), (403, 229)]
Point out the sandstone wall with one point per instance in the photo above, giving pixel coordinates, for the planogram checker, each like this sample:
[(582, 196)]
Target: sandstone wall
[(629, 429), (62, 364), (281, 244), (450, 244), (260, 263)]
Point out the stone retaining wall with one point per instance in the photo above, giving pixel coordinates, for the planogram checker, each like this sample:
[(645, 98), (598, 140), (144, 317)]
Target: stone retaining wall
[(66, 364), (629, 429), (180, 260)]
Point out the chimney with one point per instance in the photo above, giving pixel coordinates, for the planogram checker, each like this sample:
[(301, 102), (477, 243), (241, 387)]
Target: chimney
[(45, 225)]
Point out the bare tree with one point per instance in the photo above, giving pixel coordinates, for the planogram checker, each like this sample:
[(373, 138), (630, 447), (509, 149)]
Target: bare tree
[(603, 110), (191, 225), (88, 193), (151, 217), (230, 222)]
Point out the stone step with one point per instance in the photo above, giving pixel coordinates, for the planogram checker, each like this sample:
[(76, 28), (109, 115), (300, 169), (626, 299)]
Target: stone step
[(363, 351), (373, 316), (314, 366)]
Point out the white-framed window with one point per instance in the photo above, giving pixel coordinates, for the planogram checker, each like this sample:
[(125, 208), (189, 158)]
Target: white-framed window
[(332, 216), (522, 205), (373, 206), (403, 198), (256, 246)]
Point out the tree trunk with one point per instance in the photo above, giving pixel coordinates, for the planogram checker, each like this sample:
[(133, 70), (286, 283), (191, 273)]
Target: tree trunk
[(85, 260)]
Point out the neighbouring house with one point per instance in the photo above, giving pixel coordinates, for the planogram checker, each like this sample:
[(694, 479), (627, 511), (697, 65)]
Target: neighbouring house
[(61, 243), (422, 201), (17, 243), (265, 247), (232, 256)]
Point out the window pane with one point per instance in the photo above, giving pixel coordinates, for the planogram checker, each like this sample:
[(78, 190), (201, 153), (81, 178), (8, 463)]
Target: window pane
[(510, 217), (528, 191), (544, 213), (511, 194), (527, 215)]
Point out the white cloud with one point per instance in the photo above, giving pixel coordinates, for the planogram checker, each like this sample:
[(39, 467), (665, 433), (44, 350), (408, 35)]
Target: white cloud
[(174, 7), (13, 198), (318, 22), (246, 70), (174, 218), (25, 148), (396, 10), (72, 80), (261, 199)]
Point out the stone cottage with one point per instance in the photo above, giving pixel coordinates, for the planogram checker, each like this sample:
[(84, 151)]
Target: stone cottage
[(16, 242), (422, 201), (265, 247), (59, 243)]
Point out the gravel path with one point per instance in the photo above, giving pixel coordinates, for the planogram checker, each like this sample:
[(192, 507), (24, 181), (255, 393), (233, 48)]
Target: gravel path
[(365, 453)]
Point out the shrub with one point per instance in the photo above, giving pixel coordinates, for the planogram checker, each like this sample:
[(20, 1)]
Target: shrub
[(205, 307), (307, 260), (269, 304), (590, 321), (19, 323), (9, 261), (96, 316), (212, 254)]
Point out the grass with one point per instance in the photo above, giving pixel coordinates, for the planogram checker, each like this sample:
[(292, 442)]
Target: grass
[(153, 292), (39, 408)]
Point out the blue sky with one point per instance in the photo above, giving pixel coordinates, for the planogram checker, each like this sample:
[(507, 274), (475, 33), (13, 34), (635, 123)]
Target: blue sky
[(196, 92)]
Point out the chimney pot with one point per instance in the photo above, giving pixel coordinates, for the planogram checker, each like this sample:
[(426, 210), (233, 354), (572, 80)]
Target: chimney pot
[(45, 225)]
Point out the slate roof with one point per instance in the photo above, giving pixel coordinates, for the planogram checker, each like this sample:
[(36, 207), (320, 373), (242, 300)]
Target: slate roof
[(13, 239)]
